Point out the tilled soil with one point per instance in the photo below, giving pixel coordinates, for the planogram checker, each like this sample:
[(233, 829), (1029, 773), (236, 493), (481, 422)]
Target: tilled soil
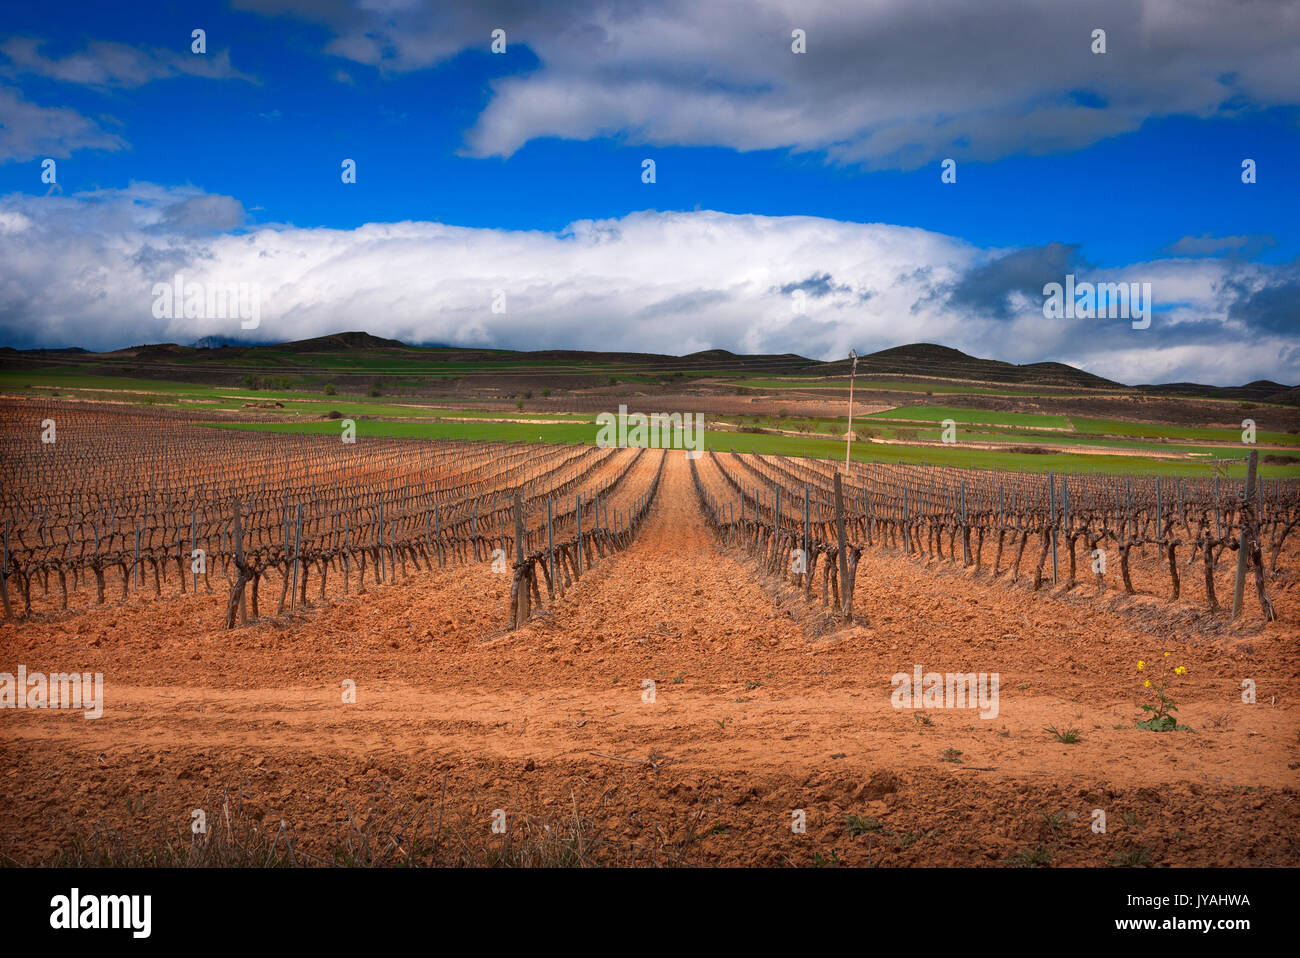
[(762, 712)]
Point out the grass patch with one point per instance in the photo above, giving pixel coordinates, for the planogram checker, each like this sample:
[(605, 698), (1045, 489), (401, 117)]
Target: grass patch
[(1132, 858), (1069, 736), (958, 415), (1036, 857), (858, 825)]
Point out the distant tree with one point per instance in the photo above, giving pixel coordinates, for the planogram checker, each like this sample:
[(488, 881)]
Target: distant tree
[(374, 390), (329, 389)]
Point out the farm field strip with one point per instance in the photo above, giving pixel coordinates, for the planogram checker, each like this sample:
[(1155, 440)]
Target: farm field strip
[(969, 456), (1121, 447)]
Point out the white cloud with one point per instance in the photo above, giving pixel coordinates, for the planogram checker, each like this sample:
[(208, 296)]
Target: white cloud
[(894, 83), (79, 270), (108, 64), (28, 131)]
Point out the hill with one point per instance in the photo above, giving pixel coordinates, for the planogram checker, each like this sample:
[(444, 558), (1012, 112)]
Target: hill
[(943, 362), (360, 355), (1261, 390)]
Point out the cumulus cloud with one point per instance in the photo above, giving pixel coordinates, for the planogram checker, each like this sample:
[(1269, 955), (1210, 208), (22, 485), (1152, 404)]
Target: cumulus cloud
[(80, 270), (994, 287), (1268, 306), (887, 84), (205, 213)]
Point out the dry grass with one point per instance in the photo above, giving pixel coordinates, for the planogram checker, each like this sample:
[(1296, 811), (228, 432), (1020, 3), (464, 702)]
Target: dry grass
[(405, 835)]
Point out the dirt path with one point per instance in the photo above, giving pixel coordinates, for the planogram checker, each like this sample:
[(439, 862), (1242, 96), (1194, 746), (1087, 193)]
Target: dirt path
[(673, 581), (750, 719)]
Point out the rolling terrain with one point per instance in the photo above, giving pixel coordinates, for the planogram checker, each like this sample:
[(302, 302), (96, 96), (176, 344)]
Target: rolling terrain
[(1037, 417)]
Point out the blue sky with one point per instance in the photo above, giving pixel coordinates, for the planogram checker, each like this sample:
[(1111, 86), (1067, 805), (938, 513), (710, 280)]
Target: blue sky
[(1126, 164)]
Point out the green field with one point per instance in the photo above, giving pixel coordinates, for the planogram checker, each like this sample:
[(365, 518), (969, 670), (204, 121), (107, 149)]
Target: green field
[(1119, 427), (1149, 440), (378, 416), (565, 433), (574, 433), (908, 386), (973, 416), (197, 397)]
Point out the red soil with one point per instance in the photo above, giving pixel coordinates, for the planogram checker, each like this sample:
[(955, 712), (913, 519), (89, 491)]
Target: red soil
[(759, 710)]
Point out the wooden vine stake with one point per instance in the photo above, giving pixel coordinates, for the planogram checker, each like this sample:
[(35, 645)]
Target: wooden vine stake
[(521, 601), (846, 593), (243, 574), (4, 576), (1243, 550), (1248, 548)]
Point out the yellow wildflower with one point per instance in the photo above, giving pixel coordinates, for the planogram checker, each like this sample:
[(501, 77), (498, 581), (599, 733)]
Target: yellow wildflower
[(1180, 670), (1147, 684), (1141, 665)]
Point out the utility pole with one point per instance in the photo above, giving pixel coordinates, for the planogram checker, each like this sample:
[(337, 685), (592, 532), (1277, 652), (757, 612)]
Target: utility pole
[(848, 439)]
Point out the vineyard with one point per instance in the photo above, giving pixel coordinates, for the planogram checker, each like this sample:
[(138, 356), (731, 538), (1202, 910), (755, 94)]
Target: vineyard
[(791, 513), (128, 501), (134, 503), (654, 656)]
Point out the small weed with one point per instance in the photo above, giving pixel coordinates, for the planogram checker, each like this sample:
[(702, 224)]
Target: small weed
[(908, 839), (858, 825), (1133, 858), (1036, 857), (1069, 736)]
